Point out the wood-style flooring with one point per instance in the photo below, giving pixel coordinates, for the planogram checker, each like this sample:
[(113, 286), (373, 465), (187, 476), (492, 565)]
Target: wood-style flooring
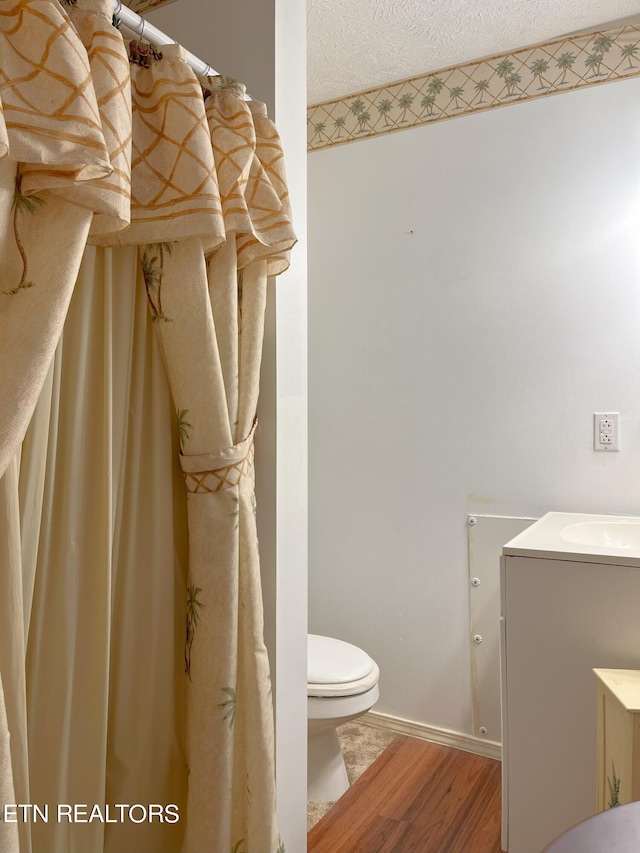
[(417, 797)]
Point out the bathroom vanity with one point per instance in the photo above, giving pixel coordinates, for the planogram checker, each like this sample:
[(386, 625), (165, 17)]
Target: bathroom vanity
[(570, 601)]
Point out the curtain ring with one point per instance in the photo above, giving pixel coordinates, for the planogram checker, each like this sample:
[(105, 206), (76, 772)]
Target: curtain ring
[(118, 8), (207, 71), (141, 36)]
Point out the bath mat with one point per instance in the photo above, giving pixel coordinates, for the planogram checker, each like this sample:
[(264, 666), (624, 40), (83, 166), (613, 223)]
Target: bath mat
[(361, 745)]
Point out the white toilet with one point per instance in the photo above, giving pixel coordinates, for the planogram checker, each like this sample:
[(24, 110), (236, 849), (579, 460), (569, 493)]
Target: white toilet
[(342, 684)]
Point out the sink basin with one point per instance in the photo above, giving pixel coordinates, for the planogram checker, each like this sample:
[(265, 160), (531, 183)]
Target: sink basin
[(604, 534), (583, 537)]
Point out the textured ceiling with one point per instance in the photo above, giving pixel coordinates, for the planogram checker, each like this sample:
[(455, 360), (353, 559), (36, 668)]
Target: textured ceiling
[(358, 44)]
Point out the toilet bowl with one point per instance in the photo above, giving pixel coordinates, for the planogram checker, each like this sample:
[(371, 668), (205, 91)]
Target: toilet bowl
[(342, 685)]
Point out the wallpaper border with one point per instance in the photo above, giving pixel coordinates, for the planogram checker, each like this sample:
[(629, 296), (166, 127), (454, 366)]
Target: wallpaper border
[(558, 66)]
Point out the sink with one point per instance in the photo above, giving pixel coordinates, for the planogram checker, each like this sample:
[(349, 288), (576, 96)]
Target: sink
[(604, 534), (584, 537)]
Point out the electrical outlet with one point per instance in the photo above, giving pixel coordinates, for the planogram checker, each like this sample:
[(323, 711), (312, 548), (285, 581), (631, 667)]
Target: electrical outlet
[(606, 431)]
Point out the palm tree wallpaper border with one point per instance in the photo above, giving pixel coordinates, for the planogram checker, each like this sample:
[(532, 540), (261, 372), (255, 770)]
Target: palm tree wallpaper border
[(533, 72)]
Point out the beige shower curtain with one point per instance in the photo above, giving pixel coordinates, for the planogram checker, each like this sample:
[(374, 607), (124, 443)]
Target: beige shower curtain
[(132, 665)]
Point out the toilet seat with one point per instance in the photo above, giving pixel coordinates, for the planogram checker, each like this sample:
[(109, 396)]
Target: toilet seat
[(346, 688), (336, 668)]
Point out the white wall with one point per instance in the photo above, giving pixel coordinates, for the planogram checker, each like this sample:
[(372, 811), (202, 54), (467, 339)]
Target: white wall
[(237, 38), (263, 45), (474, 296)]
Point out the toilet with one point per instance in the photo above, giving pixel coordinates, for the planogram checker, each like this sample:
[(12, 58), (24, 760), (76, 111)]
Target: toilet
[(342, 685)]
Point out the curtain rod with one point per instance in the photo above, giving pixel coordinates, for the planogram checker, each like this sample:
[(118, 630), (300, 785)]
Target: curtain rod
[(144, 30)]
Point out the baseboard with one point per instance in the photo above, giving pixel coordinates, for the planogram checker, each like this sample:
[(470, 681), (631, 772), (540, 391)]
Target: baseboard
[(446, 737)]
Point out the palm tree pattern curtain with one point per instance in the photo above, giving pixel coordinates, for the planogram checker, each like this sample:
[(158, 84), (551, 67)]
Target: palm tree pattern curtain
[(96, 149)]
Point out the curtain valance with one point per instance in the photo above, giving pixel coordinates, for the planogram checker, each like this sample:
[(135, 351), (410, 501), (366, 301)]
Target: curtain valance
[(138, 146)]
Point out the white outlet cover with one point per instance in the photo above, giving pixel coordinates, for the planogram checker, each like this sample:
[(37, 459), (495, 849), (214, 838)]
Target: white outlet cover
[(606, 436)]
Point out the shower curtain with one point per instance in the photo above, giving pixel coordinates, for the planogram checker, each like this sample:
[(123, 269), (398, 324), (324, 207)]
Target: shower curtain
[(141, 217)]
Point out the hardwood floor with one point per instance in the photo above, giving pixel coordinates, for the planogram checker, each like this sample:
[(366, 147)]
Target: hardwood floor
[(417, 797)]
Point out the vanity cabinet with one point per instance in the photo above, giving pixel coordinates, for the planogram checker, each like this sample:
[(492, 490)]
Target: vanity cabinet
[(618, 715), (566, 608)]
